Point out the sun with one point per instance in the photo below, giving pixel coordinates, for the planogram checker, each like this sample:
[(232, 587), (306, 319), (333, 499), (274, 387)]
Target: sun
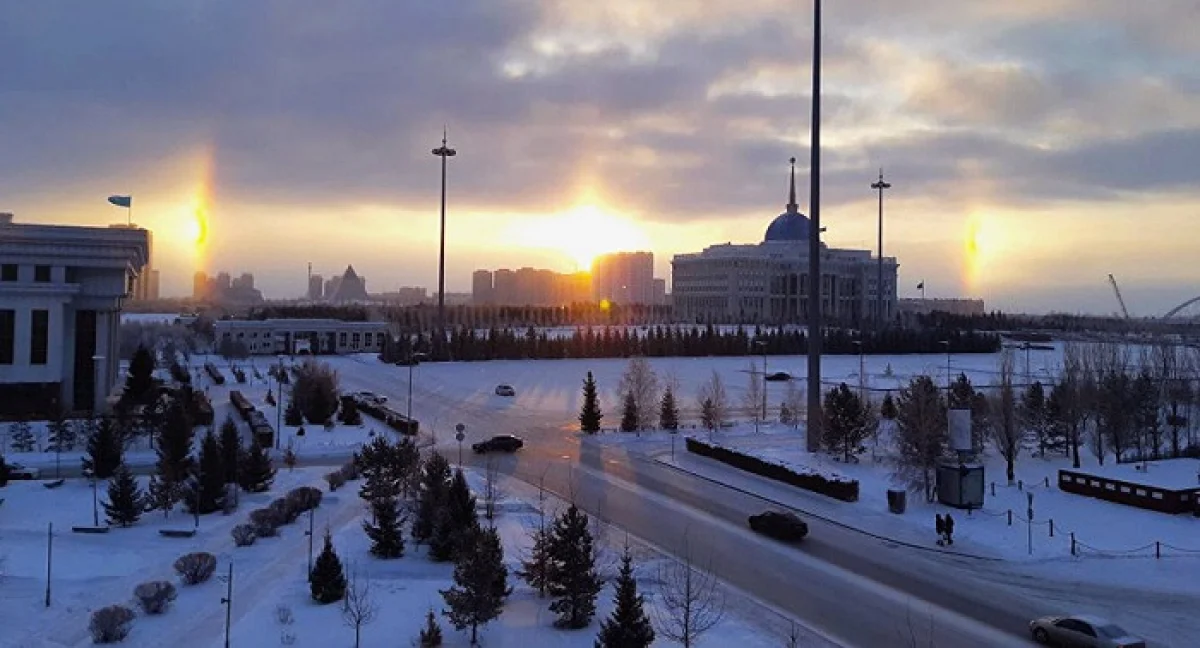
[(196, 228), (587, 232)]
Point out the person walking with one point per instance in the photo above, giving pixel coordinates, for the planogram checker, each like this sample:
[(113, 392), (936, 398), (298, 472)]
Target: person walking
[(949, 529), (940, 527)]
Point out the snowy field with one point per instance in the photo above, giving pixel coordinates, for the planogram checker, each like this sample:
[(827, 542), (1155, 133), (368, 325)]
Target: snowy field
[(90, 571)]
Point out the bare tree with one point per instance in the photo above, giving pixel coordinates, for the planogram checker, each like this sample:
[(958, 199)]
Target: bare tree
[(1006, 430), (712, 397), (1068, 402), (794, 402), (358, 608), (640, 380), (491, 487), (752, 400), (692, 602)]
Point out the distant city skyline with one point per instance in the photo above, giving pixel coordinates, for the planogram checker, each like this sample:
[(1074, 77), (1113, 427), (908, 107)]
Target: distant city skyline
[(1032, 148)]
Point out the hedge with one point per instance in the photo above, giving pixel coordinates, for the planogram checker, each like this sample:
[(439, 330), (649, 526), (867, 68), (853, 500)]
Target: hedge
[(844, 490)]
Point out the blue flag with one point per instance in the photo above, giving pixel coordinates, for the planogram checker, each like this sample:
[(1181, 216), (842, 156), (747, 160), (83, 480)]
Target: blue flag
[(121, 201)]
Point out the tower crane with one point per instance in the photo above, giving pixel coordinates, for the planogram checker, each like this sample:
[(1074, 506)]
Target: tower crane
[(1120, 300)]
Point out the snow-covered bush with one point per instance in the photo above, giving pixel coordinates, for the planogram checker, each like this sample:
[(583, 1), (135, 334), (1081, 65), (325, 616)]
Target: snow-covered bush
[(110, 624), (335, 480), (195, 568), (284, 509), (154, 596), (243, 535), (305, 498), (266, 522)]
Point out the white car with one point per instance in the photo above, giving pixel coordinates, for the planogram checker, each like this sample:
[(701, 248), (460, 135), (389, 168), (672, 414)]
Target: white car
[(371, 397), (505, 390), (18, 471), (1082, 631)]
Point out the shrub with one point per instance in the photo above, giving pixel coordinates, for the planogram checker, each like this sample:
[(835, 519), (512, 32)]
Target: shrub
[(304, 498), (335, 479), (244, 535), (154, 596), (265, 517), (349, 470), (283, 510), (845, 490), (110, 624), (195, 568)]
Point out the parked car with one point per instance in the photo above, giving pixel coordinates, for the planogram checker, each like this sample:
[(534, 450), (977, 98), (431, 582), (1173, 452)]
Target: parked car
[(500, 443), (370, 397), (505, 390), (19, 471), (778, 376), (1082, 631), (780, 525)]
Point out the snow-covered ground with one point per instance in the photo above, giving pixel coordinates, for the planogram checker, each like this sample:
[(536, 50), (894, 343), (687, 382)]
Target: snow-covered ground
[(90, 571)]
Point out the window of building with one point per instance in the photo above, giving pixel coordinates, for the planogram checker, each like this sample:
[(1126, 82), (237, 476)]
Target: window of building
[(39, 336), (341, 339), (8, 330), (71, 274), (41, 273), (354, 339), (8, 272)]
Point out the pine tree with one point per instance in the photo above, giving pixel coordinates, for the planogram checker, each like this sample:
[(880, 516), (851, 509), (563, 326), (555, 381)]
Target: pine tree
[(387, 539), (708, 414), (431, 495), (232, 452), (629, 414), (174, 446), (21, 438), (590, 415), (572, 579), (431, 634), (141, 377), (212, 477), (60, 435), (104, 450), (328, 579), (480, 583), (668, 417), (846, 421), (256, 473), (3, 471), (126, 501), (627, 626), (161, 494), (460, 503), (292, 415), (887, 409)]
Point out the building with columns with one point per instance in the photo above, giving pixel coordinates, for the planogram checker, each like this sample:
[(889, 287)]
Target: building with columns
[(767, 282), (61, 292)]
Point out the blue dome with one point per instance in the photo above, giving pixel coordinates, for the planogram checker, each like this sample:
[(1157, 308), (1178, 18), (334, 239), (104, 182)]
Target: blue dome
[(789, 226)]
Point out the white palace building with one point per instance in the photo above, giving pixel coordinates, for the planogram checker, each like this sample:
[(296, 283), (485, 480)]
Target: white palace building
[(61, 291), (767, 283)]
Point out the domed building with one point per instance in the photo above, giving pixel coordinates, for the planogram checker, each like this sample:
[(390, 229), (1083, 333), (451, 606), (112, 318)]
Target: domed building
[(767, 282)]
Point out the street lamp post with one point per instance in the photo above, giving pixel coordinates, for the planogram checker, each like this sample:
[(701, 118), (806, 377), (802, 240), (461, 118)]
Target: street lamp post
[(813, 423), (90, 473), (279, 402), (309, 533), (946, 343), (443, 152), (763, 345), (880, 186), (1028, 373), (861, 368)]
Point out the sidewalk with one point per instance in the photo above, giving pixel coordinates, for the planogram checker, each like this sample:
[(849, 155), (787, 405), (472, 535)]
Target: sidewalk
[(909, 529)]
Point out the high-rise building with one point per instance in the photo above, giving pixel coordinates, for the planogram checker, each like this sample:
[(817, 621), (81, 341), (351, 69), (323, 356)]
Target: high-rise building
[(316, 286), (504, 287), (481, 288), (659, 297), (200, 285), (244, 282), (350, 288), (624, 278)]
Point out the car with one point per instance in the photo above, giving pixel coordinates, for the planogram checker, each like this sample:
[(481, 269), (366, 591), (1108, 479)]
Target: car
[(499, 443), (371, 397), (778, 376), (505, 390), (780, 525), (18, 471), (1082, 630)]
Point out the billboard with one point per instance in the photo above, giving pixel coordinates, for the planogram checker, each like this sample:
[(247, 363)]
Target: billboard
[(959, 421)]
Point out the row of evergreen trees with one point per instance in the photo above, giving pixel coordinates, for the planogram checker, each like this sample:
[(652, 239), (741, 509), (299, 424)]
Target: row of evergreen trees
[(662, 341)]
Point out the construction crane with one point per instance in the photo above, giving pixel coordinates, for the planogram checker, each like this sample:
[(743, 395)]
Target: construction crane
[(1120, 300)]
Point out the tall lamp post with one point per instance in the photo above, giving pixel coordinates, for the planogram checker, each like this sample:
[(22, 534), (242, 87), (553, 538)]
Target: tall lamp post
[(443, 152), (279, 401), (946, 343), (813, 423), (862, 378), (763, 345), (880, 186)]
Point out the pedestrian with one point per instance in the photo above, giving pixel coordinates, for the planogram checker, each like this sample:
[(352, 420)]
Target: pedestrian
[(949, 529), (940, 526)]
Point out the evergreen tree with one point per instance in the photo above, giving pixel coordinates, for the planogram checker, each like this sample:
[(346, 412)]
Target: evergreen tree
[(536, 567), (328, 579), (126, 501), (629, 414), (572, 580), (708, 414), (232, 452), (60, 435), (161, 494), (627, 626), (20, 435), (590, 415), (387, 539), (175, 444), (431, 634), (104, 450), (212, 477), (3, 471), (256, 473), (431, 495), (292, 415), (480, 583), (668, 416), (141, 377), (460, 503), (887, 409), (846, 421)]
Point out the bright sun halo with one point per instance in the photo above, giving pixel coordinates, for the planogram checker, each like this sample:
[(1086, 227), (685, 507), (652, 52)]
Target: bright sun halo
[(586, 232)]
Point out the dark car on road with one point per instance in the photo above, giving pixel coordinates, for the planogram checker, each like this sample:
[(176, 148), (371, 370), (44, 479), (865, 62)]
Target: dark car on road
[(778, 376), (783, 526), (501, 443)]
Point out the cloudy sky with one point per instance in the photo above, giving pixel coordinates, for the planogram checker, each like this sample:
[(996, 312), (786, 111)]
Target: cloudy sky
[(1034, 145)]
